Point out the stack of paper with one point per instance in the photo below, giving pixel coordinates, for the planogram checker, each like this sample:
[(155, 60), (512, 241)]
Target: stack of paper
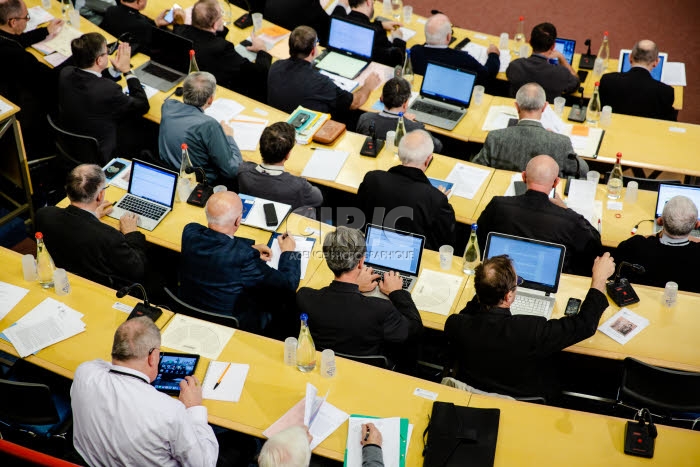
[(582, 199), (48, 323), (325, 164), (343, 83), (224, 109), (304, 245), (467, 180), (396, 434), (10, 296), (271, 35), (231, 386), (150, 91), (60, 43), (247, 131), (37, 16)]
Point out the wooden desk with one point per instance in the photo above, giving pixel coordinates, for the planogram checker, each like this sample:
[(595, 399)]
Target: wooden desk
[(93, 300), (536, 435)]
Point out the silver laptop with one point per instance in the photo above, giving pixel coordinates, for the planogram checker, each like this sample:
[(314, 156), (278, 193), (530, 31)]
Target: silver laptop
[(538, 263), (349, 48), (170, 60), (394, 250), (668, 191), (444, 95), (151, 194)]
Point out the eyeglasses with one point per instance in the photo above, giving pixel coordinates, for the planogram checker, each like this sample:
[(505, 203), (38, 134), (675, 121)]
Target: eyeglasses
[(152, 349), (518, 282), (26, 18)]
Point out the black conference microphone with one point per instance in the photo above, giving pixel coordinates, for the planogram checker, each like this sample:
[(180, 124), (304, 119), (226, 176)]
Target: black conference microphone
[(201, 193), (141, 309), (620, 289), (372, 146), (587, 60), (246, 19), (572, 157)]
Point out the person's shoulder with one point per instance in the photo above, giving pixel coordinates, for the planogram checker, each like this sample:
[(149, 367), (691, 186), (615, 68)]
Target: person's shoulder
[(193, 228), (247, 167), (639, 241), (91, 367)]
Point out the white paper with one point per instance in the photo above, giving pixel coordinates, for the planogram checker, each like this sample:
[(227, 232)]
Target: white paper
[(390, 428), (325, 164), (231, 386), (247, 131), (194, 335), (483, 37), (615, 205), (123, 307), (425, 394), (674, 74), (406, 33), (328, 419), (245, 53), (505, 60), (256, 216), (343, 83), (150, 91), (498, 117), (304, 245), (309, 403), (55, 59), (10, 295), (224, 109), (551, 121), (435, 292), (478, 51), (4, 107), (467, 180), (60, 43), (623, 326), (37, 16), (676, 129)]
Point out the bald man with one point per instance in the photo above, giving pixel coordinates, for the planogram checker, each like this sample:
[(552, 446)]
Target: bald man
[(438, 33), (535, 215), (636, 92), (230, 275)]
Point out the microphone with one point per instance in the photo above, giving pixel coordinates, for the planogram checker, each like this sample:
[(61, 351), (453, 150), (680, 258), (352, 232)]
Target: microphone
[(141, 309), (200, 174), (572, 157), (587, 60), (246, 19), (201, 193), (620, 289), (637, 268), (372, 146)]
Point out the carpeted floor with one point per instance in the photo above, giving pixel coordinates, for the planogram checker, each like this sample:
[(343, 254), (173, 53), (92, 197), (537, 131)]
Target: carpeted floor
[(673, 24)]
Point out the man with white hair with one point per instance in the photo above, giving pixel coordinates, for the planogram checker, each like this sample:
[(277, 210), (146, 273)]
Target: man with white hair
[(438, 34), (512, 148), (535, 215), (636, 92), (673, 254), (230, 275), (423, 209)]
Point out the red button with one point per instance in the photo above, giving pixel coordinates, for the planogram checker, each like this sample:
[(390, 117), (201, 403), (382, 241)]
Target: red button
[(639, 440)]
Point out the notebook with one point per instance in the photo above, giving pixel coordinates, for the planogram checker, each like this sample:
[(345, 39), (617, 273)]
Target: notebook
[(624, 65), (349, 48), (668, 191), (170, 60), (394, 250), (445, 95), (151, 194), (538, 263)]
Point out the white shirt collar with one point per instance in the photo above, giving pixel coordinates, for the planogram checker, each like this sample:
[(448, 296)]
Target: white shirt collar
[(92, 72), (666, 240), (437, 46)]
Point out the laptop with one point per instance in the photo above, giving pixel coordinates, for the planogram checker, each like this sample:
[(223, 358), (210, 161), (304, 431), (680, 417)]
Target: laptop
[(445, 95), (394, 250), (624, 65), (170, 60), (349, 49), (538, 263), (668, 191), (151, 194)]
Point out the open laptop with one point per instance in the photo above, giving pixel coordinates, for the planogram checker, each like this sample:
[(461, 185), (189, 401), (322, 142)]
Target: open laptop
[(394, 250), (349, 49), (445, 95), (668, 191), (170, 60), (538, 263), (624, 65), (151, 194)]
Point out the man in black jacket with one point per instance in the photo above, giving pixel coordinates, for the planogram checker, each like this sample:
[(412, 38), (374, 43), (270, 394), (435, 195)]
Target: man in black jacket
[(513, 355), (126, 17), (388, 52)]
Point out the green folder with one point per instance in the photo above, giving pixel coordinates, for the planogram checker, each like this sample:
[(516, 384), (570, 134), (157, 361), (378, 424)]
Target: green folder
[(403, 439)]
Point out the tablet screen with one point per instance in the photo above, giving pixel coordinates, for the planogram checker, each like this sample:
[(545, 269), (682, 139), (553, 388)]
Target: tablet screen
[(172, 369)]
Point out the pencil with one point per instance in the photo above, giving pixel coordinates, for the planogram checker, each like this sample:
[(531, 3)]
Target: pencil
[(222, 375)]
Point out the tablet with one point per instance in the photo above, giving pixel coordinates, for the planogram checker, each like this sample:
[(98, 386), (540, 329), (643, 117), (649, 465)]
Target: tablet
[(172, 368), (624, 65)]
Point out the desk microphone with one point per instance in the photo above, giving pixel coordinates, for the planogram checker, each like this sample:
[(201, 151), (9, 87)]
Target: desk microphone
[(141, 309), (572, 157), (246, 19), (201, 193), (587, 60), (620, 289), (372, 146)]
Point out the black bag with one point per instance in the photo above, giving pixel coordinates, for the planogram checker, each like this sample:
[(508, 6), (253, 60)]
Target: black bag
[(460, 436)]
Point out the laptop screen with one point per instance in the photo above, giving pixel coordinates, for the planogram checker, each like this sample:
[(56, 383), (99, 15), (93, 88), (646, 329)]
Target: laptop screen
[(538, 263), (448, 84), (393, 249), (566, 47), (656, 72), (351, 37), (170, 50), (152, 183), (666, 192)]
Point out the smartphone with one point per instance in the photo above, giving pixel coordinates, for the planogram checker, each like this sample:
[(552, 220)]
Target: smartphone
[(113, 170), (572, 307), (246, 43), (169, 15), (270, 214), (299, 120)]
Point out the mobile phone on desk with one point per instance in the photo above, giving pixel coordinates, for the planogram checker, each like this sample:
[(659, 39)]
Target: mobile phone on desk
[(113, 170), (246, 43), (270, 214), (572, 307)]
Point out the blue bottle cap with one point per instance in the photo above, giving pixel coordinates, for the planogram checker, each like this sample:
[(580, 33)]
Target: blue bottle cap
[(304, 317), (474, 226), (408, 52), (400, 114)]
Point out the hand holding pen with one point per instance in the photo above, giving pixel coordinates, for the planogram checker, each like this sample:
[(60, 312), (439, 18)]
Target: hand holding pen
[(371, 435)]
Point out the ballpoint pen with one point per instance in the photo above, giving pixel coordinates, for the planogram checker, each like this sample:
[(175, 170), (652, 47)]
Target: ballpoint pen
[(367, 434), (222, 375)]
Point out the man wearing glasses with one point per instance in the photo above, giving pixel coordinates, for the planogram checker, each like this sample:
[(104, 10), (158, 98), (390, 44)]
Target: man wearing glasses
[(515, 355)]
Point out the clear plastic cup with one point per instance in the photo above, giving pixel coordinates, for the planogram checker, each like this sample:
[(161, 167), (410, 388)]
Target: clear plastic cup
[(407, 14), (670, 294), (632, 191), (46, 4), (29, 268), (290, 351), (219, 188), (328, 363), (559, 103), (74, 18), (446, 254), (503, 42), (524, 51), (478, 95), (60, 282), (606, 116), (257, 21), (593, 176), (390, 137)]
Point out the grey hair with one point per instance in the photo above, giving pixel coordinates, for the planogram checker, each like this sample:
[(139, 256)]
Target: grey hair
[(288, 448), (134, 339), (680, 215), (198, 88), (414, 149), (343, 249), (530, 96), (644, 51), (84, 183), (435, 35)]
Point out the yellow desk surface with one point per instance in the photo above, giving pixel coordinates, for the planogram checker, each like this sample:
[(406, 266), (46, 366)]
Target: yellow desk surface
[(537, 435), (7, 114), (93, 300)]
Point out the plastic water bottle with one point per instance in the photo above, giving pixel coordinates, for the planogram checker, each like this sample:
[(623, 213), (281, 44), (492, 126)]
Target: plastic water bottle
[(44, 263), (306, 350), (472, 255)]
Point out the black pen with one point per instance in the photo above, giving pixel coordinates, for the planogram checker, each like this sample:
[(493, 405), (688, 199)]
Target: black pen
[(367, 435)]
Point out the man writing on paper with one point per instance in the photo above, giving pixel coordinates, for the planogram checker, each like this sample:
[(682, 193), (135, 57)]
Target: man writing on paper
[(210, 143), (514, 355), (513, 147), (120, 419), (535, 215), (229, 275)]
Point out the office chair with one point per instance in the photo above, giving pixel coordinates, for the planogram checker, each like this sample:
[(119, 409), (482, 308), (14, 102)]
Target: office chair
[(189, 310), (650, 184), (16, 455), (76, 149), (379, 361)]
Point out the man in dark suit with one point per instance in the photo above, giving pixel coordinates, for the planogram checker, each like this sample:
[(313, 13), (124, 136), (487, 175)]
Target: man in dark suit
[(512, 148), (293, 13), (555, 79), (514, 355), (343, 319), (403, 197), (388, 52), (126, 17), (635, 92), (92, 105), (80, 243), (229, 275), (219, 57), (438, 33), (535, 215)]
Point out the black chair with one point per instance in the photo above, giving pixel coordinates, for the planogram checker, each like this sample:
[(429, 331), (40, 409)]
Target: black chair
[(650, 184), (379, 361), (76, 149), (189, 310)]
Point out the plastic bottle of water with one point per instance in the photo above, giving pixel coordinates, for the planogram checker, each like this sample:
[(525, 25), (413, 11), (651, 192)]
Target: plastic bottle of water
[(306, 350)]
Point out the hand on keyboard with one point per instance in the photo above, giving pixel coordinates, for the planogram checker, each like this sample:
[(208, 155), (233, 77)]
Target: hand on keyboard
[(104, 208), (391, 283), (367, 280), (128, 223)]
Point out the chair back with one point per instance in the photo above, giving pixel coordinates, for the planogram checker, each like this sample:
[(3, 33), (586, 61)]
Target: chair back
[(26, 404), (189, 310), (76, 149), (375, 360)]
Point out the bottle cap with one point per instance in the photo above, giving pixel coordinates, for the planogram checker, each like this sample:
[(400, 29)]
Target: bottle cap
[(304, 317), (474, 226), (38, 235), (408, 52), (400, 114), (605, 33), (619, 155), (597, 83), (522, 18), (183, 146), (191, 53)]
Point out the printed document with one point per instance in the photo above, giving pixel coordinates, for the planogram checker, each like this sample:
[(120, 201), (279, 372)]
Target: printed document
[(325, 164), (192, 335), (467, 180), (436, 291), (10, 296)]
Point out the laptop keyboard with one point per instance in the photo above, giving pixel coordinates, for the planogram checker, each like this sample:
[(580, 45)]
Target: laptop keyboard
[(142, 207), (406, 280), (155, 70), (527, 305), (436, 111)]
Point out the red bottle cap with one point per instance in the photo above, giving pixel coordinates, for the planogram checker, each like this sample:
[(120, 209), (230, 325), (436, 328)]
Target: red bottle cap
[(191, 53), (522, 18), (605, 33), (619, 155), (597, 83), (183, 146), (38, 235)]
